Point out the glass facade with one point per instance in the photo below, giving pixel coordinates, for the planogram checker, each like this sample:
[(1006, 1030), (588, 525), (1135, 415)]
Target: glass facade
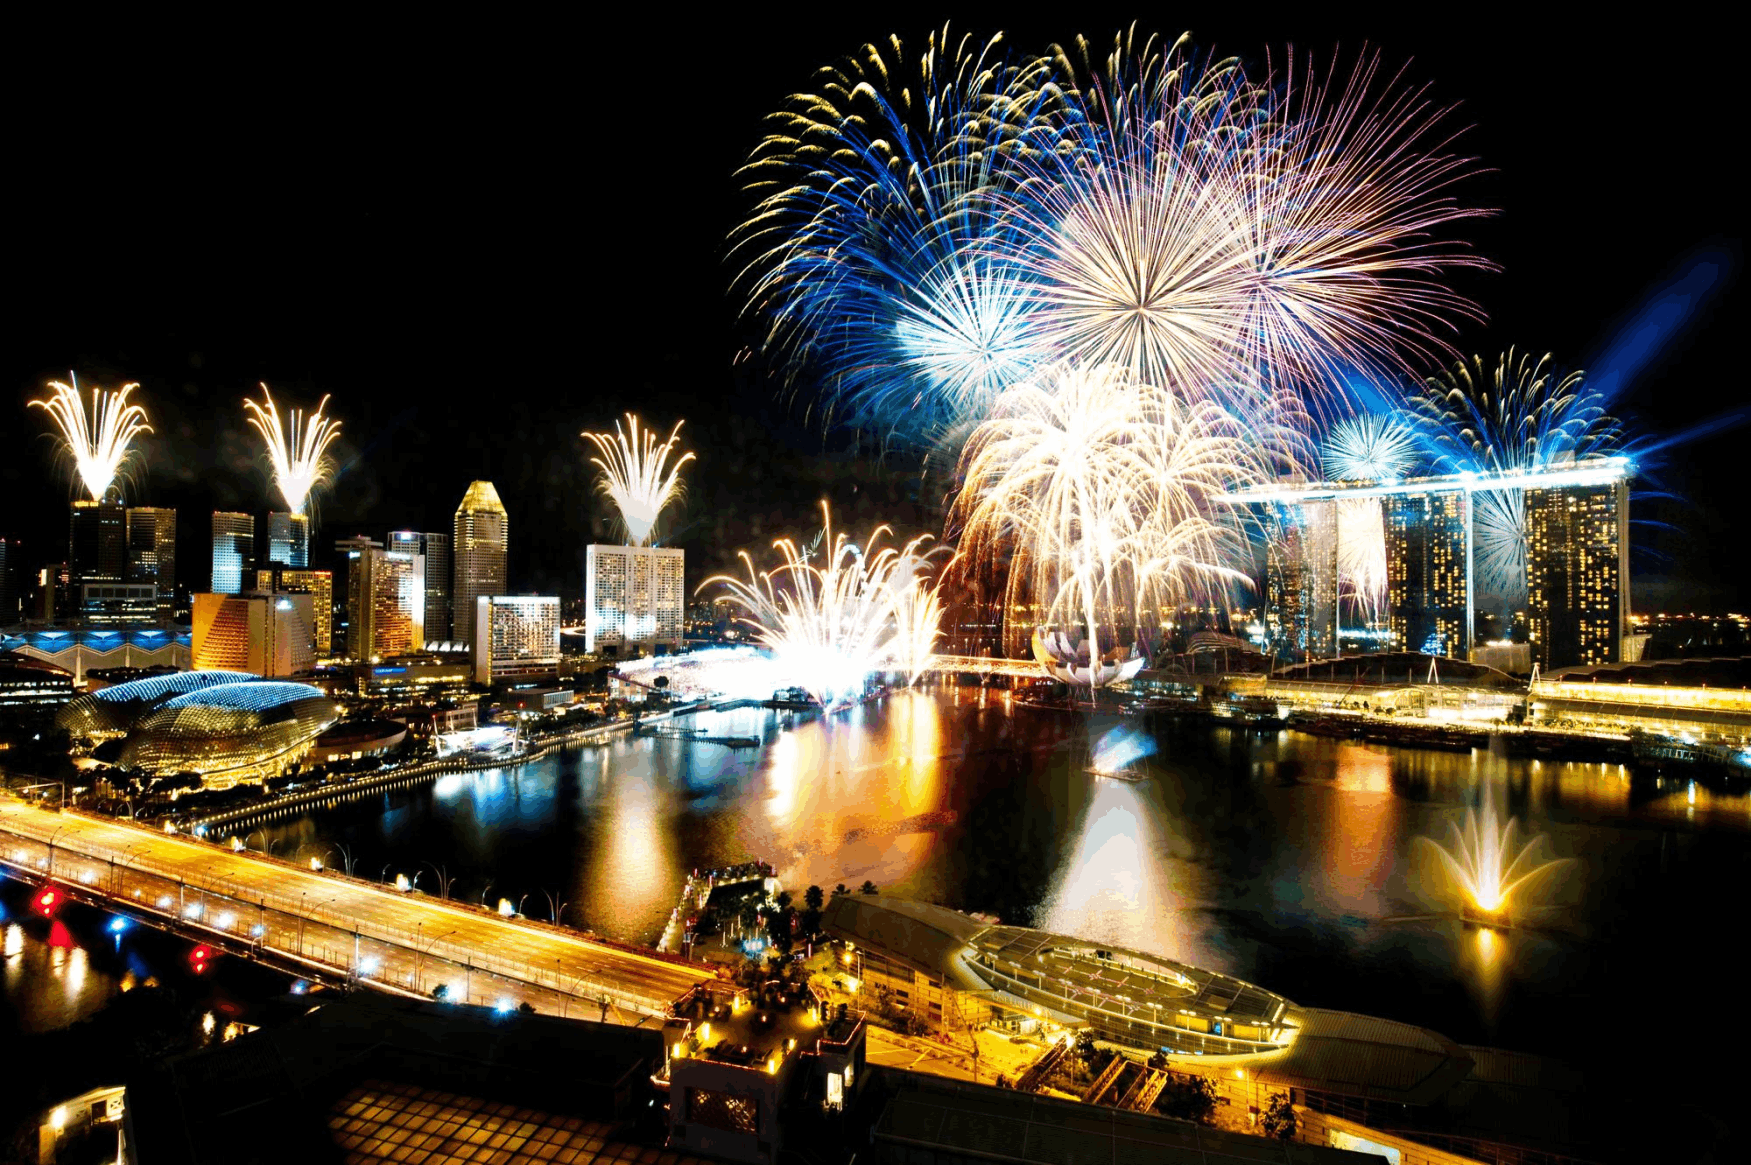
[(319, 585), (152, 554), (482, 536), (289, 540), (1577, 573), (435, 549), (1428, 572), (97, 550), (634, 599), (233, 550), (230, 733), (516, 638)]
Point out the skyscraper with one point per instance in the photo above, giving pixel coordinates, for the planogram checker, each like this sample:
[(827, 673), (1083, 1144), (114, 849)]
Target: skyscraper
[(11, 591), (1577, 572), (482, 537), (634, 598), (97, 550), (386, 600), (289, 540), (1301, 582), (319, 585), (516, 637), (152, 554), (435, 548), (268, 635), (233, 550), (1428, 571)]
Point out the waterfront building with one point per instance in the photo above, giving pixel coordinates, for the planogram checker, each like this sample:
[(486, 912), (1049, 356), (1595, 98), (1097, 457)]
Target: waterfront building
[(97, 543), (112, 710), (634, 599), (1577, 572), (435, 549), (288, 540), (386, 600), (419, 678), (268, 634), (1703, 701), (230, 733), (319, 585), (24, 680), (516, 638), (233, 550), (1428, 571), (478, 549), (152, 554), (76, 651)]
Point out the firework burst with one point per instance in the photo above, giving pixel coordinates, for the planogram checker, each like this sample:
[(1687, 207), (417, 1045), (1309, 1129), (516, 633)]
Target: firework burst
[(1094, 494), (99, 440), (1516, 417), (866, 609), (1370, 447), (637, 474), (297, 447)]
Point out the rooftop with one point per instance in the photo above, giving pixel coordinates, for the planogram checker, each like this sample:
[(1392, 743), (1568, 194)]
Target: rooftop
[(755, 1029)]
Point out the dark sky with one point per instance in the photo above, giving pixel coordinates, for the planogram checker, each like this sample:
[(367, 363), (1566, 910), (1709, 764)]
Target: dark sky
[(484, 238)]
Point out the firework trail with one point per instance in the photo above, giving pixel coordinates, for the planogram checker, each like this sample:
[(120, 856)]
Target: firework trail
[(1094, 492), (1516, 417), (99, 441), (864, 610), (297, 448), (871, 249), (637, 474)]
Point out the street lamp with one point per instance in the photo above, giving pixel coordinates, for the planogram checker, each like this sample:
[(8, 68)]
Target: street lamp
[(267, 842), (444, 878), (421, 952), (555, 906)]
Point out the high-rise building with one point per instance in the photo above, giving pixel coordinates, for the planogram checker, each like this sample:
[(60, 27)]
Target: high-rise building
[(54, 593), (97, 550), (233, 550), (319, 585), (267, 634), (152, 554), (288, 540), (11, 591), (386, 600), (482, 537), (634, 599), (435, 549), (1428, 571), (516, 638), (1301, 582), (1577, 573), (115, 605)]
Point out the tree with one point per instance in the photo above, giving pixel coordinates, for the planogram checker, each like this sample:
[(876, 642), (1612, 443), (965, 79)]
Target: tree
[(783, 899), (813, 899), (840, 890), (1187, 1097), (867, 888), (1279, 1118)]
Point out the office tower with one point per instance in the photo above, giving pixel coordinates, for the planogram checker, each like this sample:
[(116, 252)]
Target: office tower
[(634, 599), (516, 637), (112, 606), (11, 593), (1301, 582), (54, 593), (319, 585), (97, 544), (435, 548), (268, 635), (152, 554), (1577, 573), (1428, 571), (288, 540), (386, 600), (482, 536), (233, 550)]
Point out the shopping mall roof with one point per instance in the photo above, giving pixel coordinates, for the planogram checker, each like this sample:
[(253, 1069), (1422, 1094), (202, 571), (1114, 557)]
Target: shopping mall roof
[(1365, 1056), (1383, 668), (1717, 672)]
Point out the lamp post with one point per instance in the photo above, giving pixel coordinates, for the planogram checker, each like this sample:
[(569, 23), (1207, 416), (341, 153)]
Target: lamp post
[(555, 907), (421, 952), (268, 843), (444, 879)]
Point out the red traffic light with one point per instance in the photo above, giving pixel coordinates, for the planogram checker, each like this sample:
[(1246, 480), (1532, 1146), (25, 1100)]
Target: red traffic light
[(46, 901), (198, 959)]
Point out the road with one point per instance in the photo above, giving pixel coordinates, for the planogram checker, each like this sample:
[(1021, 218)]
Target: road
[(407, 941)]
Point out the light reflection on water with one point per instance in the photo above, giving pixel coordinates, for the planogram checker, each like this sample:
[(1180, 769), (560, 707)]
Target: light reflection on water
[(1286, 859)]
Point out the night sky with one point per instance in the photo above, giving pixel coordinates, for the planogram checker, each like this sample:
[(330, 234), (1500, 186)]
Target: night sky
[(482, 241)]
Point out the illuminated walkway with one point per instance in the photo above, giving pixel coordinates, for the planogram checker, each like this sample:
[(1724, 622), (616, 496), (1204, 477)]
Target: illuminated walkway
[(401, 941)]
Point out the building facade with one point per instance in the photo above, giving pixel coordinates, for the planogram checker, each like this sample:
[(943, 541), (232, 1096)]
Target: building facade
[(634, 599), (152, 554), (319, 585), (288, 540), (386, 600), (516, 638), (97, 543), (268, 635), (233, 550), (1577, 573), (435, 549), (1301, 583), (1428, 571), (481, 540), (114, 605), (11, 589)]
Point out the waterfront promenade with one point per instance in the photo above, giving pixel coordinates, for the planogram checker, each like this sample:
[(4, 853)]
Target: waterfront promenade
[(338, 926)]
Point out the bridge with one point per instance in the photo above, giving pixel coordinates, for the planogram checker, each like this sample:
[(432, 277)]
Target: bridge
[(328, 926), (984, 666)]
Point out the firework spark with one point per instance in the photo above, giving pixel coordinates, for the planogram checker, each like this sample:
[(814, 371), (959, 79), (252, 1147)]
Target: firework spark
[(99, 441), (1094, 493), (1370, 447), (1517, 417), (637, 474), (866, 609), (297, 448)]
